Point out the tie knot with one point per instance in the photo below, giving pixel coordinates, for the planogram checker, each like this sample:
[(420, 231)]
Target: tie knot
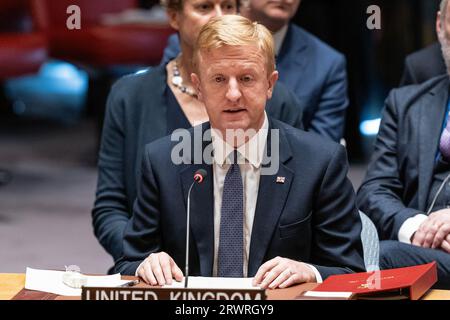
[(233, 157)]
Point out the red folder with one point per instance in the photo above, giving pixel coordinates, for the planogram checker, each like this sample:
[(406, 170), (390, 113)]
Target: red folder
[(408, 283)]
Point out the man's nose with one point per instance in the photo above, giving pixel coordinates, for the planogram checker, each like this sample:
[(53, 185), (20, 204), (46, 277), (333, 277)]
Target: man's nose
[(218, 10), (233, 93)]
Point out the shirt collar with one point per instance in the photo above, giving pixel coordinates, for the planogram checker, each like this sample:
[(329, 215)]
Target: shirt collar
[(252, 151), (278, 37)]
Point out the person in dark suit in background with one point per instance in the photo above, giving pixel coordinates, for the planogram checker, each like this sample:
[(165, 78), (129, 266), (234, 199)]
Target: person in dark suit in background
[(423, 65), (314, 71), (144, 107), (289, 220), (406, 191)]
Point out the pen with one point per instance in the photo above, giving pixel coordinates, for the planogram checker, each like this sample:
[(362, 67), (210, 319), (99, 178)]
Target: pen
[(130, 283)]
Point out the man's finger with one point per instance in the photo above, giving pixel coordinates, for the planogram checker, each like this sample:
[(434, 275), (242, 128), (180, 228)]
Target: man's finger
[(166, 268), (266, 267), (157, 271), (149, 274), (293, 279), (282, 277), (446, 245), (272, 275), (444, 230), (176, 271), (141, 274), (429, 237)]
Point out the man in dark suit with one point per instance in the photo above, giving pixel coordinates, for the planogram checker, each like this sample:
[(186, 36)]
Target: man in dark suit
[(311, 69), (406, 191), (275, 205)]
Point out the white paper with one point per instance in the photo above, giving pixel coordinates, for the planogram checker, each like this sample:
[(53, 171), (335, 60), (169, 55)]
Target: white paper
[(215, 283), (51, 281), (326, 294)]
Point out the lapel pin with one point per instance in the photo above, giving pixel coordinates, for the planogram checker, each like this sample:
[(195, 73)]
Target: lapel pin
[(281, 180)]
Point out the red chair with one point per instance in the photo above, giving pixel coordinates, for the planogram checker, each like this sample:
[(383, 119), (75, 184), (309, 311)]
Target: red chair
[(21, 51), (21, 54), (95, 44)]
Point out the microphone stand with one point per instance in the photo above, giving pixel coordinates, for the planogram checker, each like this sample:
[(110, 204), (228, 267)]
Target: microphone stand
[(188, 218)]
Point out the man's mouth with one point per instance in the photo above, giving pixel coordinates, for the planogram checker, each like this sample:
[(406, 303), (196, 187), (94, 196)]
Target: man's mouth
[(236, 110)]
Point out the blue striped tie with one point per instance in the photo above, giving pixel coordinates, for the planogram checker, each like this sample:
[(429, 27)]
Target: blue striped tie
[(231, 241)]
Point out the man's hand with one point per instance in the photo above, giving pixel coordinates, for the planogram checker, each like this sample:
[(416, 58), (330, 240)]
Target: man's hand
[(282, 273), (433, 232), (159, 269)]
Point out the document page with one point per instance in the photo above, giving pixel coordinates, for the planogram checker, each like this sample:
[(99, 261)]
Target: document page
[(52, 282)]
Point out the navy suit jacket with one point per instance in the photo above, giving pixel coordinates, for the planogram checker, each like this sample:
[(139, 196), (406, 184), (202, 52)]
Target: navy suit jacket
[(315, 72), (136, 114), (312, 217), (400, 173)]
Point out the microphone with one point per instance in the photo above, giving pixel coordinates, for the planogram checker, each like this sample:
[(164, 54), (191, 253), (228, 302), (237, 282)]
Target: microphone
[(199, 176)]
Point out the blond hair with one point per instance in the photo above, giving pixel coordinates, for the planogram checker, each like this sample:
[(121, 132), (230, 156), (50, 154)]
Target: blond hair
[(234, 30)]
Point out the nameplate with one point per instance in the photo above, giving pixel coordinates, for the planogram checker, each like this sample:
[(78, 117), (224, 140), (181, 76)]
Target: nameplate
[(91, 293)]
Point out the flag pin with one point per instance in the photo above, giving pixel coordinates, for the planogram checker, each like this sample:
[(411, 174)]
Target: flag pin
[(281, 180)]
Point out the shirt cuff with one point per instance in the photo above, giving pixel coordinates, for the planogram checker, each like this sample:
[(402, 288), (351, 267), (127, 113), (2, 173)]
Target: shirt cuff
[(409, 227), (316, 272)]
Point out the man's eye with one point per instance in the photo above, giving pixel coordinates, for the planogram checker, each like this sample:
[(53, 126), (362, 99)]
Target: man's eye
[(218, 79), (246, 79), (228, 7), (204, 7)]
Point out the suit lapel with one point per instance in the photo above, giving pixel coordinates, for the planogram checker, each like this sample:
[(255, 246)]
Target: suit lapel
[(202, 210), (271, 200), (431, 118)]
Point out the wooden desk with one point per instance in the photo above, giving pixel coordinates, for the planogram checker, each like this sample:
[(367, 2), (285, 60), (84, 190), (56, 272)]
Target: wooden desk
[(12, 284)]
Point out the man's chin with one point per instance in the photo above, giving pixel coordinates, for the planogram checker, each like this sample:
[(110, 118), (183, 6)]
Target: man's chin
[(235, 125), (231, 125), (278, 13)]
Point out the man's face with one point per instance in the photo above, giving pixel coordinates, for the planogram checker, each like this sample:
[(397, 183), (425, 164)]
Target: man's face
[(443, 31), (281, 10), (195, 14), (234, 85)]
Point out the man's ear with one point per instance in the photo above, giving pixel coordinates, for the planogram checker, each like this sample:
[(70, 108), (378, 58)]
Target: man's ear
[(196, 82), (438, 22), (173, 19), (273, 78)]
